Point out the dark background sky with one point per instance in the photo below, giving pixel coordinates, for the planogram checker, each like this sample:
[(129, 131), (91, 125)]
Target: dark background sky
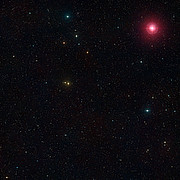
[(86, 93)]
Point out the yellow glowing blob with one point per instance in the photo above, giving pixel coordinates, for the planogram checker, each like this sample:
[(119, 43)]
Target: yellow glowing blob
[(67, 83)]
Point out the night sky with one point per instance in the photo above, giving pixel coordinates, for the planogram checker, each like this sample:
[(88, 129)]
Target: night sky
[(89, 89)]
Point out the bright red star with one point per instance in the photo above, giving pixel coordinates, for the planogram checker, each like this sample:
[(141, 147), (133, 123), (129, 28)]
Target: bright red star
[(152, 28)]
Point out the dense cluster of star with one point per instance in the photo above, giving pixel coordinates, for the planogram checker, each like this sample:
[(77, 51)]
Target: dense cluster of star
[(89, 90)]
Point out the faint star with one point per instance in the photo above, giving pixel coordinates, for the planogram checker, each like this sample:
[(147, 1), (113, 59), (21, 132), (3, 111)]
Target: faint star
[(145, 122), (147, 150), (164, 143)]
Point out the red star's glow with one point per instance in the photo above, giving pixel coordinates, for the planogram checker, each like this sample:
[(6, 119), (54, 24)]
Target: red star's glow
[(152, 28)]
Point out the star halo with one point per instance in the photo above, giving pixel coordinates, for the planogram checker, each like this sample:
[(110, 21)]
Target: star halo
[(151, 29)]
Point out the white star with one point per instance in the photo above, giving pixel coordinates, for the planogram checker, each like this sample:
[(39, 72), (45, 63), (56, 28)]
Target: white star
[(147, 110)]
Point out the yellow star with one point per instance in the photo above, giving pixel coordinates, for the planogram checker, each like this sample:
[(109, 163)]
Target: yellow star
[(67, 83)]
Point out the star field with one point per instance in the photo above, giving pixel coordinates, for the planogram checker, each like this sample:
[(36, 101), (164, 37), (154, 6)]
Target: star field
[(89, 90)]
